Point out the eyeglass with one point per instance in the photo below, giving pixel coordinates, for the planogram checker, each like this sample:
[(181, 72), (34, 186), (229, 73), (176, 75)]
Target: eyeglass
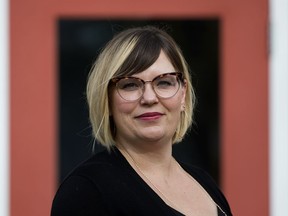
[(132, 88)]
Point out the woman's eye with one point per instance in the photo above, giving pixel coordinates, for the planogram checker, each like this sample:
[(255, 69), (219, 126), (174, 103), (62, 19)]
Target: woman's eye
[(165, 83), (129, 86)]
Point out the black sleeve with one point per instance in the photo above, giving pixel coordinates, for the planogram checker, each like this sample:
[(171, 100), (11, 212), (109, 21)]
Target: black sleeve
[(78, 196)]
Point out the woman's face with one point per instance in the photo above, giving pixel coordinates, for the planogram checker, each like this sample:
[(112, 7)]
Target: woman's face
[(150, 118)]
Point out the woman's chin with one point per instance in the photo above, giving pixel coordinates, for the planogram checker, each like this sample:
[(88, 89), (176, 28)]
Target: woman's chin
[(153, 135)]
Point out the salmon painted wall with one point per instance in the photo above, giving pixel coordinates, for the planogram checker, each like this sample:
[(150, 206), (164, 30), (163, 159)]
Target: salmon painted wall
[(244, 93)]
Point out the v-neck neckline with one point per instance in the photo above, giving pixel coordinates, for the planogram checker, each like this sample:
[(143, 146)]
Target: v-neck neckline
[(149, 189), (144, 184)]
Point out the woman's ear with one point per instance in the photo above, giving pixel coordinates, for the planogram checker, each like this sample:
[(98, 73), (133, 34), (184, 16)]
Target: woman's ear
[(183, 92)]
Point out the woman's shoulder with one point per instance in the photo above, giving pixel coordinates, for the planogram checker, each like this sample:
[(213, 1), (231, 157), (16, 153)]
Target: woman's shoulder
[(202, 177), (209, 184), (198, 173), (97, 165), (81, 192)]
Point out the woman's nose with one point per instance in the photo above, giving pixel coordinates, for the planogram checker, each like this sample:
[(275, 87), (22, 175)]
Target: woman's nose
[(149, 95)]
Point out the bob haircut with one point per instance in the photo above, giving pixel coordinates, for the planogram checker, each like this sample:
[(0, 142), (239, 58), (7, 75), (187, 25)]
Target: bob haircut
[(130, 52)]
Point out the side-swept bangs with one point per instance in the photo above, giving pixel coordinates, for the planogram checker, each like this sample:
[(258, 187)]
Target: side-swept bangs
[(147, 50)]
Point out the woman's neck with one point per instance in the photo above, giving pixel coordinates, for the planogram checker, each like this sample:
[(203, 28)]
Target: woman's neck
[(148, 158)]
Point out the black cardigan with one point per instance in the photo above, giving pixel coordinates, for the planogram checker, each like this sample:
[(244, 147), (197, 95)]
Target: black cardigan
[(106, 185)]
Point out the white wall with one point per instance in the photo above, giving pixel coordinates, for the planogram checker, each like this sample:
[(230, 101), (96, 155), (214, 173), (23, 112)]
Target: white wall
[(4, 108), (278, 107)]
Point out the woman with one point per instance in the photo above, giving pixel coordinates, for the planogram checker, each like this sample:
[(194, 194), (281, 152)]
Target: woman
[(141, 102)]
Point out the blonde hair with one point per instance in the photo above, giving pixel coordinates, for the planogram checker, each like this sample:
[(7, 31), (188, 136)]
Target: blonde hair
[(130, 52)]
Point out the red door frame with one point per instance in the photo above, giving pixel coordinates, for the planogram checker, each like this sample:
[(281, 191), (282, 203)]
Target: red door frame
[(244, 93)]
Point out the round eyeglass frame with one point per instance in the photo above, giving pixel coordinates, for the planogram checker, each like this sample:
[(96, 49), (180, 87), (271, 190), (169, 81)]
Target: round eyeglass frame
[(179, 77)]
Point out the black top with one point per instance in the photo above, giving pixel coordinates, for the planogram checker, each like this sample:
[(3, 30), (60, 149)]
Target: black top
[(106, 185)]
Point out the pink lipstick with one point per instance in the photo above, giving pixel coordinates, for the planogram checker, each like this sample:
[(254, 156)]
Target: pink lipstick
[(149, 116)]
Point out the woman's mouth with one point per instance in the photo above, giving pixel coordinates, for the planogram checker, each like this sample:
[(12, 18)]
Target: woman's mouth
[(149, 116)]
